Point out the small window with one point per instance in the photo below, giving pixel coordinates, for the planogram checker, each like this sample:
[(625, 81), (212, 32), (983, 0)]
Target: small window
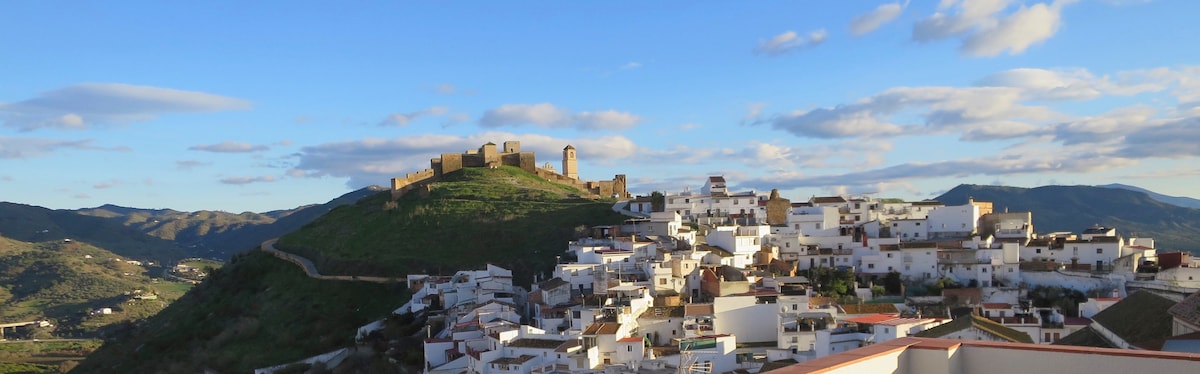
[(918, 223), (1099, 250), (870, 266), (1039, 250)]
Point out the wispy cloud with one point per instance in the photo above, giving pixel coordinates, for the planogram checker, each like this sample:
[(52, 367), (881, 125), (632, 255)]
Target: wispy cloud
[(25, 148), (403, 119), (550, 116), (190, 164), (790, 41), (83, 105), (985, 29), (230, 147), (882, 14), (248, 180)]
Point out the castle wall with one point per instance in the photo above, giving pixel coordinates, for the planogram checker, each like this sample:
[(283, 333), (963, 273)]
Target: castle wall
[(488, 156), (452, 162)]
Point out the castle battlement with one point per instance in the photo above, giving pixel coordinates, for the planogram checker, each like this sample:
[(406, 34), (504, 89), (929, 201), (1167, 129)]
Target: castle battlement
[(509, 154)]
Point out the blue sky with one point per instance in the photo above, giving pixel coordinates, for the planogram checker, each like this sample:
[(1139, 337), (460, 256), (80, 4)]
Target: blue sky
[(259, 106)]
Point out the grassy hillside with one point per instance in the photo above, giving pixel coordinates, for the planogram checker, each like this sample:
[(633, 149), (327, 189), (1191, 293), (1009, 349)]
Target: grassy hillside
[(256, 311), (1075, 208), (62, 281), (505, 216), (259, 311)]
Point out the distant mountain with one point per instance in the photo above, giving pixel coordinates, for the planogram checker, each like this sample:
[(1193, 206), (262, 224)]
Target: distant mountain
[(162, 234), (1075, 208), (1185, 202)]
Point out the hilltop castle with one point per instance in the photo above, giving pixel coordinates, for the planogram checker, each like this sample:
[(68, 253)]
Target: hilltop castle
[(509, 155)]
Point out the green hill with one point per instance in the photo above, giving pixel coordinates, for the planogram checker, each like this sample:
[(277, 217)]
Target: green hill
[(259, 311), (504, 216), (63, 281), (1075, 208)]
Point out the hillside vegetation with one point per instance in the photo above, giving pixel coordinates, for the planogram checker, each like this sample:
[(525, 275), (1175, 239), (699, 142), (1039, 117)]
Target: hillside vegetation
[(505, 216), (1075, 208), (259, 311)]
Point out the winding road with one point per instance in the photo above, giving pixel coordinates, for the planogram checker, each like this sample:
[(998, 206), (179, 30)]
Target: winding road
[(311, 270)]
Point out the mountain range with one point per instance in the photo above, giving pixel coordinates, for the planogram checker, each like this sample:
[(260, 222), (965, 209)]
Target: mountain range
[(164, 235), (1075, 208), (1185, 202)]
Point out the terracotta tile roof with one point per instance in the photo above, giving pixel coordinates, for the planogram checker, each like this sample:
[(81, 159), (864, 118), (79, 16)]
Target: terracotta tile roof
[(602, 328), (872, 319), (926, 203), (1085, 337), (697, 309), (883, 308), (553, 283), (1140, 318), (1188, 310), (631, 340), (663, 312), (983, 324), (535, 343), (827, 200)]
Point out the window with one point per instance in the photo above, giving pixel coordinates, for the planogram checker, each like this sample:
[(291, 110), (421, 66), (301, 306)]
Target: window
[(984, 270), (1099, 250), (795, 306), (916, 235), (1039, 250), (889, 268), (629, 348), (887, 330), (889, 255), (895, 225), (918, 223), (870, 266), (662, 281)]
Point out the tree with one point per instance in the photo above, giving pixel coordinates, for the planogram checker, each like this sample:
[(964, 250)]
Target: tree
[(892, 283), (658, 202)]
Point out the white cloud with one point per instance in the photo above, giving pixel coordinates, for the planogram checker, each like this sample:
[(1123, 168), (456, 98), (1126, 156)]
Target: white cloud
[(190, 164), (985, 29), (25, 148), (1017, 32), (247, 180), (790, 41), (230, 147), (403, 119), (631, 65), (882, 14), (550, 116), (86, 104)]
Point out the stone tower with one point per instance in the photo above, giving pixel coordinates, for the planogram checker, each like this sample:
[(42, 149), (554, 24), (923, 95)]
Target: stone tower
[(570, 166)]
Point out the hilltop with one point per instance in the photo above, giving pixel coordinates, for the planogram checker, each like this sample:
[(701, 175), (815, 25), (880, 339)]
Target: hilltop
[(1074, 208), (504, 216)]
